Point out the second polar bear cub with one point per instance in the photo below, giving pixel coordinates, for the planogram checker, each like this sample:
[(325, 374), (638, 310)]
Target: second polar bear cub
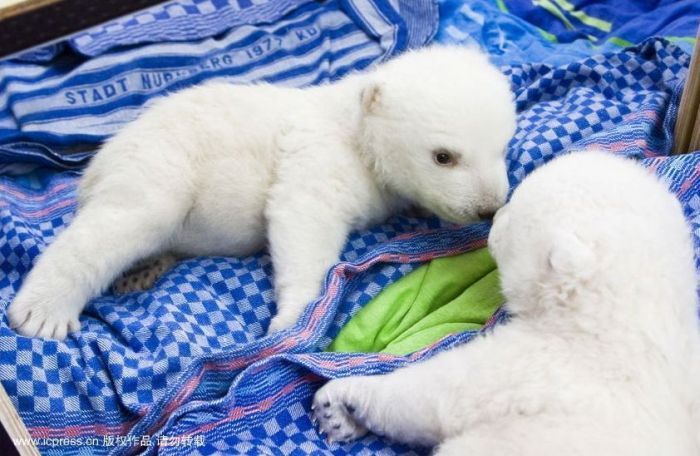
[(221, 169), (602, 354)]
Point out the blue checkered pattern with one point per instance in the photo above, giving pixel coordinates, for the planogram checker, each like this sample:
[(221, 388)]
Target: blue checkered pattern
[(201, 307), (615, 101)]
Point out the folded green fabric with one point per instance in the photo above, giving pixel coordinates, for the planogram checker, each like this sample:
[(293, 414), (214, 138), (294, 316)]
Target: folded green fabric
[(445, 296)]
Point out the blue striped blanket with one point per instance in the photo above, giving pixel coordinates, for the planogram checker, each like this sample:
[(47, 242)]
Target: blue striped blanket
[(102, 78), (562, 31), (186, 368)]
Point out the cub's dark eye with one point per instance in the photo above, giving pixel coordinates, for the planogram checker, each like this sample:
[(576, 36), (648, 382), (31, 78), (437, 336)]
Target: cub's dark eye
[(444, 157)]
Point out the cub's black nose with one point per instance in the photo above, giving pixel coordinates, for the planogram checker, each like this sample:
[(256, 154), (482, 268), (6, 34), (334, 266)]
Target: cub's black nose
[(486, 214)]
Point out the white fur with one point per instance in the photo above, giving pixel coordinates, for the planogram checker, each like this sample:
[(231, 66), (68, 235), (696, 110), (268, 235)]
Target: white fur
[(602, 354), (220, 169)]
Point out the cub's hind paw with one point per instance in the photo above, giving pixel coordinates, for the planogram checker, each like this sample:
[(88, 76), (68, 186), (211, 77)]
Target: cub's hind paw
[(143, 275)]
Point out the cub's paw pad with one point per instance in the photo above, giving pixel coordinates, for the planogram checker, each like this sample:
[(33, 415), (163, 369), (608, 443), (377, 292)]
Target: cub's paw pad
[(336, 418), (143, 275)]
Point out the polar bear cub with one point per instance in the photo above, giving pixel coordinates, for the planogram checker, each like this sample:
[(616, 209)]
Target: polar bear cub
[(601, 355), (223, 169)]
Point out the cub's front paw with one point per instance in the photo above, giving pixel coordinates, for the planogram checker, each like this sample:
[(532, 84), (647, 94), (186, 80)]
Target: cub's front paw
[(336, 414), (46, 317), (280, 322)]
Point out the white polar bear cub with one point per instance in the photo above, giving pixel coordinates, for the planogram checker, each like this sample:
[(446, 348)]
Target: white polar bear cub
[(219, 169), (601, 356)]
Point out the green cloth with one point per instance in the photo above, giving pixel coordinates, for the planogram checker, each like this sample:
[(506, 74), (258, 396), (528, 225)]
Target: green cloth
[(447, 295)]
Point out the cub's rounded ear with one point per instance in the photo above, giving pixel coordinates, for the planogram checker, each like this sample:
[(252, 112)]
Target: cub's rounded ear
[(571, 256), (371, 97)]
